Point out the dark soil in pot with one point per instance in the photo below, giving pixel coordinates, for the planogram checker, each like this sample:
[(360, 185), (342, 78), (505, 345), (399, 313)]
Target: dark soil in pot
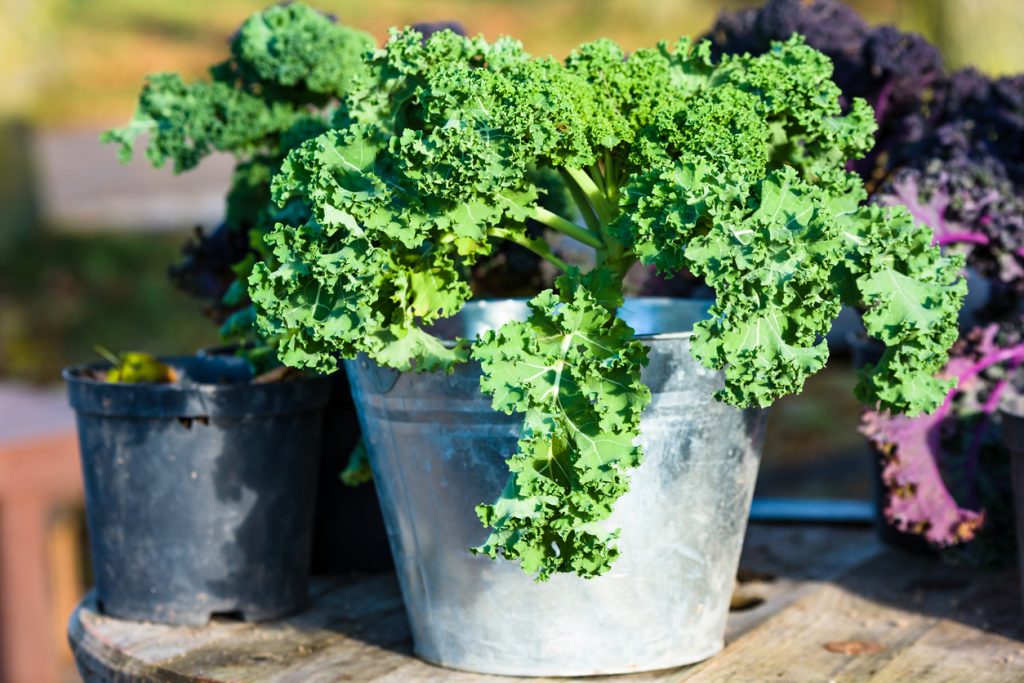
[(199, 494)]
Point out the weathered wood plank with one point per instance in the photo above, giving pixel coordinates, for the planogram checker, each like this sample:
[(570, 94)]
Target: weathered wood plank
[(952, 652), (979, 639), (817, 585), (891, 604), (781, 564), (357, 631), (351, 613)]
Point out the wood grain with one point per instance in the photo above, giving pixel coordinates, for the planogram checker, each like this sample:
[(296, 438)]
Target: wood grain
[(918, 621)]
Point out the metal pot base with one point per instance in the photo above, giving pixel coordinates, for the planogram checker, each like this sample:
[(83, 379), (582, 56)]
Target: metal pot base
[(573, 673)]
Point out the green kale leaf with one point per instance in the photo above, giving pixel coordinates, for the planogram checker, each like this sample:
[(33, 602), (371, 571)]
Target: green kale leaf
[(573, 370)]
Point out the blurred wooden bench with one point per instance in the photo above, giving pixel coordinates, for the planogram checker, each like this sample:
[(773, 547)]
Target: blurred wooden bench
[(41, 542)]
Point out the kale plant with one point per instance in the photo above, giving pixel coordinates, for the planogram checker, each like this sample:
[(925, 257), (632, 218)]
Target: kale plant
[(730, 169), (288, 67), (947, 475), (949, 147), (936, 461)]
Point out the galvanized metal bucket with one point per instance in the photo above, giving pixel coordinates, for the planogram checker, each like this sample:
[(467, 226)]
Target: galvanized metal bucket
[(438, 449)]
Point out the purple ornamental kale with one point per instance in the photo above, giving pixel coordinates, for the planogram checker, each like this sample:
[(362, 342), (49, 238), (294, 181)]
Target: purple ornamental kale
[(972, 208), (963, 177), (205, 269), (828, 25), (429, 28), (971, 116), (933, 464)]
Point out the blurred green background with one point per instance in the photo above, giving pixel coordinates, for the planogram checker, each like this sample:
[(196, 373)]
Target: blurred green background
[(81, 61)]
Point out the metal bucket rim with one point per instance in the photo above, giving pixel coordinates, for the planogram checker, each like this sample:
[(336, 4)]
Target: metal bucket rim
[(653, 300)]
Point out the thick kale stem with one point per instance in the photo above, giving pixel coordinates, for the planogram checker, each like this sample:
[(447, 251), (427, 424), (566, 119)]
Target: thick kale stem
[(604, 210), (595, 174), (537, 246), (582, 203), (617, 260), (556, 222), (611, 183)]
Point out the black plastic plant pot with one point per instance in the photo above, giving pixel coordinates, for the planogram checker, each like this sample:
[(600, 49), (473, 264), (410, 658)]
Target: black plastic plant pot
[(199, 494), (1013, 436), (348, 529)]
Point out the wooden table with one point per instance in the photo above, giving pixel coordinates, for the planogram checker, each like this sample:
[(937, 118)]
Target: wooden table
[(814, 603)]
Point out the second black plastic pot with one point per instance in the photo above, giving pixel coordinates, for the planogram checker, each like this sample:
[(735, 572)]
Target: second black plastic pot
[(199, 494), (348, 529), (1012, 416)]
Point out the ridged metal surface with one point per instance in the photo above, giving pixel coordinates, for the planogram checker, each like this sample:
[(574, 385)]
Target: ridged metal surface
[(437, 450)]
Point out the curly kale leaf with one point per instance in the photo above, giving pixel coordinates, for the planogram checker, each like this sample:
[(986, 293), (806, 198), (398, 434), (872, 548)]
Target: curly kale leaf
[(397, 73), (918, 499), (947, 473), (369, 266), (573, 370), (744, 187), (400, 209), (972, 209), (770, 266), (298, 53), (187, 122), (288, 65), (284, 60), (896, 72), (911, 296)]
